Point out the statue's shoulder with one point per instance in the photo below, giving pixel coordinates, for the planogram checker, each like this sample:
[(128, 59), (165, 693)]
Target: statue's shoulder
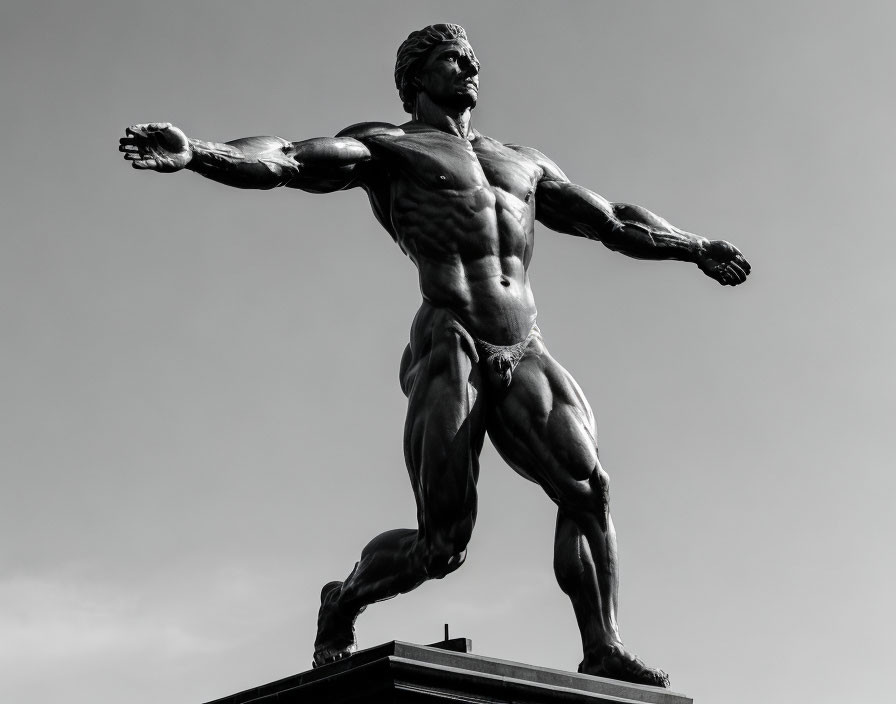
[(368, 130), (549, 168)]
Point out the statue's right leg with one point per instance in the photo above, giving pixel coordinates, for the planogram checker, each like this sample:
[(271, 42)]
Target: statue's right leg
[(443, 437), (543, 426)]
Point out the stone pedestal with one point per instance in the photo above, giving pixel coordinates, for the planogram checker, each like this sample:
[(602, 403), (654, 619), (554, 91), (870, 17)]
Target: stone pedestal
[(404, 673)]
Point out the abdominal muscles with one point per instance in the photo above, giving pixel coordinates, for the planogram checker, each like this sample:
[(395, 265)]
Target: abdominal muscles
[(471, 258)]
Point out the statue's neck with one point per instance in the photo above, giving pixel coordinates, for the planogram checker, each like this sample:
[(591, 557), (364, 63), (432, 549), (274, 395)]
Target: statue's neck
[(456, 122)]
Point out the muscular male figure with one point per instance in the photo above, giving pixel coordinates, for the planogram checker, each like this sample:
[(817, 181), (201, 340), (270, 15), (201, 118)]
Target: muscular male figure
[(462, 206)]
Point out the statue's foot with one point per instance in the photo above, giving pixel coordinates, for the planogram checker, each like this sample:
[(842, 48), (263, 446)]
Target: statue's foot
[(615, 662), (335, 632)]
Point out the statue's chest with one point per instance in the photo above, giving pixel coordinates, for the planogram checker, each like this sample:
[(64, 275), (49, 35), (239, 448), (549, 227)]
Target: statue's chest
[(444, 163)]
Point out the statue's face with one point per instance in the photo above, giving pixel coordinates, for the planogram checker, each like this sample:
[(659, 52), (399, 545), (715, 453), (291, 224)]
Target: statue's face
[(450, 76)]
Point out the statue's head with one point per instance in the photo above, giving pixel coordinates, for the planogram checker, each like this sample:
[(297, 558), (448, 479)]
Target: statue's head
[(439, 61)]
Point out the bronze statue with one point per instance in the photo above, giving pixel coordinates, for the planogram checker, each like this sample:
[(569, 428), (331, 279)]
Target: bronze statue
[(462, 206)]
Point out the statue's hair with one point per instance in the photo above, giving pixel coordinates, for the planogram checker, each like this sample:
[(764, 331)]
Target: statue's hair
[(414, 51)]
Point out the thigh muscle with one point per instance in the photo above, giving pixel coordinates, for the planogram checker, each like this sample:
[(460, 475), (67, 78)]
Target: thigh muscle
[(445, 427), (544, 428)]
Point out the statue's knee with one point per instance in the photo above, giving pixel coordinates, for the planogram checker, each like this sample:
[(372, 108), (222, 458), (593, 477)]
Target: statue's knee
[(600, 483), (441, 562), (590, 495)]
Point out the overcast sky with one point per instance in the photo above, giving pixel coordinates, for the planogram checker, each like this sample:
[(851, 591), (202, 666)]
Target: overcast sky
[(201, 421)]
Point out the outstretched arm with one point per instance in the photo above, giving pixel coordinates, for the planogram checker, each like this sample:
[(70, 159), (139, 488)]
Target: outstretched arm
[(318, 165), (629, 229)]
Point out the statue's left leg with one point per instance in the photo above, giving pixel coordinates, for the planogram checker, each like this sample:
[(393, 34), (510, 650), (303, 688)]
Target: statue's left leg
[(444, 432), (544, 428)]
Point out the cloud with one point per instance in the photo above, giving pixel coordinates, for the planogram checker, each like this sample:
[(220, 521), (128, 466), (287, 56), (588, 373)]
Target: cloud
[(207, 630), (46, 619)]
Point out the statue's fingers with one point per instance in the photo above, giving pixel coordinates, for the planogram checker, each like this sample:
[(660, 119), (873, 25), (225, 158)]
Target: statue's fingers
[(738, 273), (136, 131), (157, 126), (144, 164), (133, 156), (127, 140), (742, 262), (127, 147)]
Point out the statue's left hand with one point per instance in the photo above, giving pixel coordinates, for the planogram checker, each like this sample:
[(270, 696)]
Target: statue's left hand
[(722, 261), (159, 146)]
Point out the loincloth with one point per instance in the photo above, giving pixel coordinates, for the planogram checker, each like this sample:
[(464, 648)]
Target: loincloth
[(499, 360), (502, 359)]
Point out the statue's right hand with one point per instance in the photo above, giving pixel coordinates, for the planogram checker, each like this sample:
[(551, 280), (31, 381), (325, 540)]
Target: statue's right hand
[(159, 146)]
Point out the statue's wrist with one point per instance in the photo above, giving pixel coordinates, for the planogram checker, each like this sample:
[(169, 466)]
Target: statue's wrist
[(192, 155), (698, 250)]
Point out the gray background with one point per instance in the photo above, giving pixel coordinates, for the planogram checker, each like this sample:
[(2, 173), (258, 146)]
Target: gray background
[(201, 421)]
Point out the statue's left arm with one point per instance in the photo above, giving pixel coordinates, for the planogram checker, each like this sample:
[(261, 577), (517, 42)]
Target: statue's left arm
[(629, 229)]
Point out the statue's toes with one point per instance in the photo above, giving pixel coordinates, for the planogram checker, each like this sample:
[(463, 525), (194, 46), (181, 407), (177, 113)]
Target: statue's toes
[(618, 664), (330, 655), (661, 679)]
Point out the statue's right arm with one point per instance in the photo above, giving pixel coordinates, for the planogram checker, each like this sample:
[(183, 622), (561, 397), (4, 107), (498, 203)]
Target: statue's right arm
[(318, 165)]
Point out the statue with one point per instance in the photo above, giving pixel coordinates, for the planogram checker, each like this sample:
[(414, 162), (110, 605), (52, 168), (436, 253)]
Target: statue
[(462, 206)]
